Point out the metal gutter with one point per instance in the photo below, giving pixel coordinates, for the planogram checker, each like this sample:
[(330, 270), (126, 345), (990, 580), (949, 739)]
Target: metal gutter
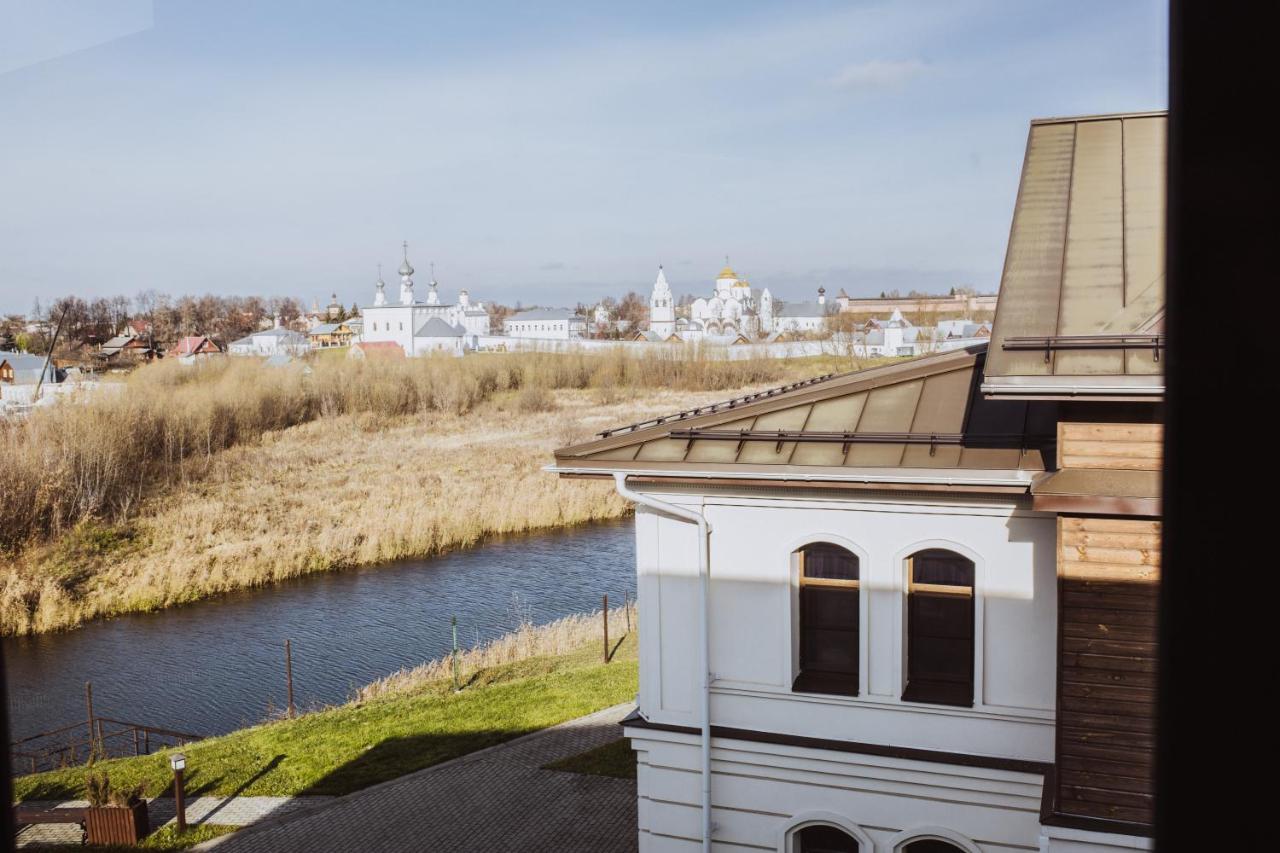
[(704, 631), (1056, 391), (1022, 480)]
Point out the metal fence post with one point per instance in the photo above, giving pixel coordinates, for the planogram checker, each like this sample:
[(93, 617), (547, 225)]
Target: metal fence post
[(288, 673), (453, 663), (604, 615), (88, 701)]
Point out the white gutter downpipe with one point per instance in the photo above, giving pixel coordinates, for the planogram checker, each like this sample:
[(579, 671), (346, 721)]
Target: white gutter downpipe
[(704, 631)]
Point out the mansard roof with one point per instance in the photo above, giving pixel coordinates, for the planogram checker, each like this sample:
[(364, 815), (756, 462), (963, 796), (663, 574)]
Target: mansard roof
[(545, 314), (1081, 302), (922, 422)]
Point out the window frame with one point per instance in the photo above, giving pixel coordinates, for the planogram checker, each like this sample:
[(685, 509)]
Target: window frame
[(788, 833), (919, 694), (796, 632), (899, 842)]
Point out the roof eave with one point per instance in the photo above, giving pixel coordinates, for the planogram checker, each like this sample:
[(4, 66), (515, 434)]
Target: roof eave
[(1101, 388), (1003, 481)]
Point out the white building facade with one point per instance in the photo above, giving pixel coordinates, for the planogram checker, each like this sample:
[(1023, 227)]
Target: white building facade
[(273, 341), (403, 320), (914, 609), (803, 317), (833, 700), (556, 324)]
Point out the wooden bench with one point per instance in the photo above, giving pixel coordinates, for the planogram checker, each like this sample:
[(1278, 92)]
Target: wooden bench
[(31, 816)]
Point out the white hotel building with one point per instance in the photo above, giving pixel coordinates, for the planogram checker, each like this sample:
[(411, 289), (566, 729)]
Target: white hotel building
[(912, 609)]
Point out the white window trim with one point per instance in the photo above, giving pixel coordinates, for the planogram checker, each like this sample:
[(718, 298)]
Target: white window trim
[(787, 834), (792, 634), (902, 580), (931, 833)]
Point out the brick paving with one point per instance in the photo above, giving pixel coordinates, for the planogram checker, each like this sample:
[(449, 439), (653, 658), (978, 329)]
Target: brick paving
[(228, 811), (495, 800)]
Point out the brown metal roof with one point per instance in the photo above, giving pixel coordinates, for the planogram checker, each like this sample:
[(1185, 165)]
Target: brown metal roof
[(1082, 295), (1095, 490), (922, 421)]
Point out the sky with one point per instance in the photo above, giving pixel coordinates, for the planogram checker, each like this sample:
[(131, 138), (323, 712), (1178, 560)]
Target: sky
[(548, 153)]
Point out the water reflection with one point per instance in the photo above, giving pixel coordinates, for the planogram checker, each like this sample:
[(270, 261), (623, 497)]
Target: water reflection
[(215, 666)]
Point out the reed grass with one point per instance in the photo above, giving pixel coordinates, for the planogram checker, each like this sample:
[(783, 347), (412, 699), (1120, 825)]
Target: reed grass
[(195, 481), (527, 641)]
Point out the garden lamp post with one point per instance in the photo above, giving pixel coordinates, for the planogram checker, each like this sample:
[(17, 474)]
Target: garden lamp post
[(178, 762)]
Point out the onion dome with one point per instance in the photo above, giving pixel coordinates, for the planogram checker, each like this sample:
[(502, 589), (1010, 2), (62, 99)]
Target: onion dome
[(406, 268)]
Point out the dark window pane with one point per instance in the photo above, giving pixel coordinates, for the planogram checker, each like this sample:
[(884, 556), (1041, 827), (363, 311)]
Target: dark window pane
[(829, 607), (831, 651), (942, 567), (825, 839), (940, 632), (828, 562), (941, 659), (828, 640), (942, 615)]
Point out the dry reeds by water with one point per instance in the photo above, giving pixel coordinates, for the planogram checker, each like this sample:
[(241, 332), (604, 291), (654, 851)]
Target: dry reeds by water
[(196, 480), (560, 637), (65, 464)]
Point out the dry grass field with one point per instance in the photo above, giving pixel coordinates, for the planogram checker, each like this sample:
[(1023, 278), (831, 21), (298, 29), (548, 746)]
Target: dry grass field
[(200, 481)]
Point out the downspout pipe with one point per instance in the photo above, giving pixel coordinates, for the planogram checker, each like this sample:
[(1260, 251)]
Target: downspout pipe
[(704, 630)]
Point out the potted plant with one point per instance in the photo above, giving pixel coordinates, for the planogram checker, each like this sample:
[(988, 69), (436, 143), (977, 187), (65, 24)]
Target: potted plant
[(114, 816)]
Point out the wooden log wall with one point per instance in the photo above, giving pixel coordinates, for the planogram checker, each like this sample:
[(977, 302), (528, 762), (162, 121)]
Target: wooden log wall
[(1109, 572), (1129, 447)]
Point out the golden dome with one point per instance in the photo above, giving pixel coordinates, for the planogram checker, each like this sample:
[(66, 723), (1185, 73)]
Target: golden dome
[(727, 272)]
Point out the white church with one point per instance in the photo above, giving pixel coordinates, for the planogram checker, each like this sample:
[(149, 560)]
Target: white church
[(735, 308), (408, 321)]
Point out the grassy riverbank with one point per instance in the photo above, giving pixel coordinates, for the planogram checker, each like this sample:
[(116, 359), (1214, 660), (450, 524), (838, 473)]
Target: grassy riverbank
[(194, 482), (371, 740)]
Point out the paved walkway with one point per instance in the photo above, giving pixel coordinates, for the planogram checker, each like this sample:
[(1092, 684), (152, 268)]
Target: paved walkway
[(228, 811), (495, 800)]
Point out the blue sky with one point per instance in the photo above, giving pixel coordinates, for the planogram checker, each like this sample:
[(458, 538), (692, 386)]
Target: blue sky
[(544, 152)]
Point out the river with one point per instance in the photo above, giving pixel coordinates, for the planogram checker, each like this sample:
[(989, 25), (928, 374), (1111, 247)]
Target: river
[(218, 665)]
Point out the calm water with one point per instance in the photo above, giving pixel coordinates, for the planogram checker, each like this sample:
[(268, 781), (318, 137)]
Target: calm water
[(214, 666)]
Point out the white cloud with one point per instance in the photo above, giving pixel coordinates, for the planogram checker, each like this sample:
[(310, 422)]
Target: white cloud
[(878, 74)]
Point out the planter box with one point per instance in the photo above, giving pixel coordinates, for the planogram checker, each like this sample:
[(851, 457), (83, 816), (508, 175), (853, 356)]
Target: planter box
[(116, 824)]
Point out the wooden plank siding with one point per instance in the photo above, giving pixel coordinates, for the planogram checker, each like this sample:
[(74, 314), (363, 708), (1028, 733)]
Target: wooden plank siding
[(1126, 447), (1108, 578)]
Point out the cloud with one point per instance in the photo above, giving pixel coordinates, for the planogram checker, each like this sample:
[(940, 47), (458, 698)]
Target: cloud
[(878, 75)]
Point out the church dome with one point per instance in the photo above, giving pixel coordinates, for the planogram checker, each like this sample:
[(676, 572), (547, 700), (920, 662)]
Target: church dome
[(406, 268), (727, 272)]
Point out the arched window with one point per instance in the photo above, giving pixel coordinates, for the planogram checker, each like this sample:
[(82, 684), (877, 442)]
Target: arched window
[(939, 631), (829, 622), (930, 845), (824, 838)]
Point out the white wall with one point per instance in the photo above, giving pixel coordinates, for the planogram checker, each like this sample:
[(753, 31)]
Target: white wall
[(761, 792), (761, 789), (544, 329), (754, 587), (393, 323)]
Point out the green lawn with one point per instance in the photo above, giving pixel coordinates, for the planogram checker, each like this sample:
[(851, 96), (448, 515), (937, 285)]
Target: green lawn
[(616, 759), (354, 746)]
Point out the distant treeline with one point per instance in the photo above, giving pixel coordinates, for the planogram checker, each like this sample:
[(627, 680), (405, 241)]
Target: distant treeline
[(155, 315)]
